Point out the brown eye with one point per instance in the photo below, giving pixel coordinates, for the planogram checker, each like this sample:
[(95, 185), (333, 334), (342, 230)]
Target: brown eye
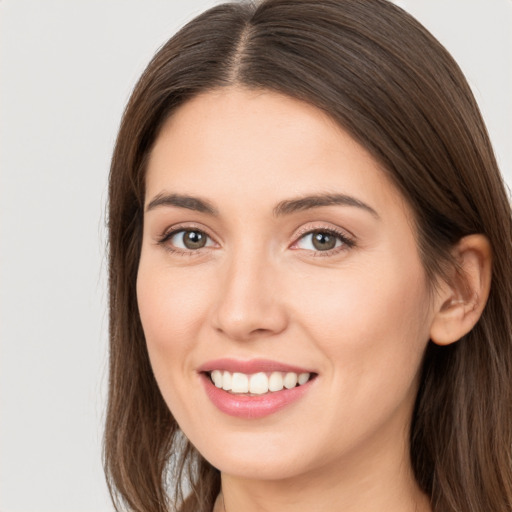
[(194, 239), (323, 241), (189, 239)]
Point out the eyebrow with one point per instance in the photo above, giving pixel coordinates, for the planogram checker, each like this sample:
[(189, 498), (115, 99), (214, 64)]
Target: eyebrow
[(316, 201), (285, 207), (183, 201)]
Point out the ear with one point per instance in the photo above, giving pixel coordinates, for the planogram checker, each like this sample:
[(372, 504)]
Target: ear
[(460, 302)]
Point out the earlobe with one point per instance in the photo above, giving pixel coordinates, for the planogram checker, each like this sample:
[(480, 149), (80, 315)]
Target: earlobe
[(461, 301)]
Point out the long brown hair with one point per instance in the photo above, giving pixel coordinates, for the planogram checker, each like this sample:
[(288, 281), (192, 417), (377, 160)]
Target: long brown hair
[(380, 75)]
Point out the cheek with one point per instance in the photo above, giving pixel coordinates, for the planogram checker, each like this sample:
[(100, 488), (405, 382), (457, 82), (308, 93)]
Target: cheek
[(369, 321), (369, 299), (372, 330), (171, 304), (172, 308)]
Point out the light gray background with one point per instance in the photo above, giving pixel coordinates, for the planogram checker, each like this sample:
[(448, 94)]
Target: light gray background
[(66, 71)]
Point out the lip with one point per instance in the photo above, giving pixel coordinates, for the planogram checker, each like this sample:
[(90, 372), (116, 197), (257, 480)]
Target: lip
[(251, 366), (252, 407)]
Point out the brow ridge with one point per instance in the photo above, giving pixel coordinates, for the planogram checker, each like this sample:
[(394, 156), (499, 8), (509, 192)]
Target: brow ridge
[(285, 207), (182, 201), (289, 206)]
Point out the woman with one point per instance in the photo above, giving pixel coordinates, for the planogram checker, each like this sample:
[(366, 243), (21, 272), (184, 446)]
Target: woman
[(309, 272)]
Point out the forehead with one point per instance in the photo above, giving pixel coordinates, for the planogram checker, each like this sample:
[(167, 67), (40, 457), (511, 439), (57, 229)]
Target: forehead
[(252, 146)]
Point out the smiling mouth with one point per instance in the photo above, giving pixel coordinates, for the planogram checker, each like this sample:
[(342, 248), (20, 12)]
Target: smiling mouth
[(256, 384)]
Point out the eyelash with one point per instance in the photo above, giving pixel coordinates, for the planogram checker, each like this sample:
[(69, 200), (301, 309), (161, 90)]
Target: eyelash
[(347, 242), (179, 252)]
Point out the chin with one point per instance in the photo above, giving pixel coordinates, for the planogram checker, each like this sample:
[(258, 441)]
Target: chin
[(257, 468), (264, 457)]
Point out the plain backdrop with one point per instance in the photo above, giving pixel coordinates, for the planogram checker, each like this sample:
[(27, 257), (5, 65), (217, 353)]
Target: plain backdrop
[(66, 71)]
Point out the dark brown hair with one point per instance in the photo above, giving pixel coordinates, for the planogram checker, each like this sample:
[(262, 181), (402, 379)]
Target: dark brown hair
[(382, 77)]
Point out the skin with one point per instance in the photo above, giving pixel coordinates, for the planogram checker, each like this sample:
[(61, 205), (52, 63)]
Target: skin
[(359, 315)]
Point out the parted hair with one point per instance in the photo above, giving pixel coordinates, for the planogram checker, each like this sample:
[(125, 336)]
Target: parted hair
[(396, 90)]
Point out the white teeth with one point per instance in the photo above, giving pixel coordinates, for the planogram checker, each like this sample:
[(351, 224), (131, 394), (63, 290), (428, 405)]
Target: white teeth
[(226, 381), (217, 378), (257, 383), (290, 380), (275, 383), (239, 383), (303, 378)]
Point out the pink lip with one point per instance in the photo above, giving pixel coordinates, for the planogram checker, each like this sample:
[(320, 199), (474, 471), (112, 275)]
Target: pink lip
[(250, 367), (251, 407)]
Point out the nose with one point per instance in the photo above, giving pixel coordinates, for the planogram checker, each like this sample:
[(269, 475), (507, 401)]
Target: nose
[(249, 301)]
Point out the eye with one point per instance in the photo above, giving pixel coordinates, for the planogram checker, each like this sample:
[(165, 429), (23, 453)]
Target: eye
[(323, 240), (187, 240)]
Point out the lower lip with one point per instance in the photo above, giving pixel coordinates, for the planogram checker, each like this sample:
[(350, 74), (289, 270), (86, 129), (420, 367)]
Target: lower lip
[(252, 407)]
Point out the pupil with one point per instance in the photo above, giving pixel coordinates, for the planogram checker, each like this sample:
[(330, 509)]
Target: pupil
[(194, 240), (323, 241)]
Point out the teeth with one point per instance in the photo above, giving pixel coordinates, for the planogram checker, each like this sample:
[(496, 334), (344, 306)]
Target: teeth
[(257, 383), (226, 381), (239, 382), (303, 378), (290, 380), (217, 378), (275, 383)]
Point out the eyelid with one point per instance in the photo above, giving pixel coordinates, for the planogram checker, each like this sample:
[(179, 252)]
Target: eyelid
[(323, 226), (186, 226), (347, 238), (169, 232)]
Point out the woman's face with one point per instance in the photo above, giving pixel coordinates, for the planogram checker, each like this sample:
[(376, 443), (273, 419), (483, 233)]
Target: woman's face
[(275, 246)]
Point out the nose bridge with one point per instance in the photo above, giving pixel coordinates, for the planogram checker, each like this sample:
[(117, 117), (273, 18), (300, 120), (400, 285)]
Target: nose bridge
[(247, 302)]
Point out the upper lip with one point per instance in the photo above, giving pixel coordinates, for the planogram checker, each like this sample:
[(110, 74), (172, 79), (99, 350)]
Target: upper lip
[(251, 366)]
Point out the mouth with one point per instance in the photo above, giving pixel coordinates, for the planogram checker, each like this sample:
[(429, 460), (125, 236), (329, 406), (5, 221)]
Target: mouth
[(260, 383), (254, 389)]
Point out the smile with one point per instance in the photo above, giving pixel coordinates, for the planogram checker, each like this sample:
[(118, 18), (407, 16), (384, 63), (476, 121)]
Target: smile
[(258, 383), (254, 389)]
